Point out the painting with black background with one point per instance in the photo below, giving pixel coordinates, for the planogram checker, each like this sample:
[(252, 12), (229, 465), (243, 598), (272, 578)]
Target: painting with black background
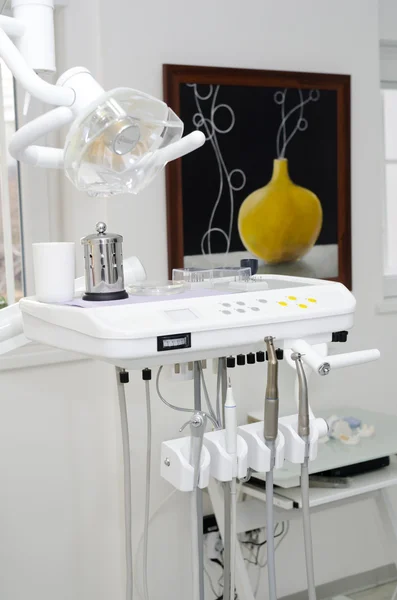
[(247, 128)]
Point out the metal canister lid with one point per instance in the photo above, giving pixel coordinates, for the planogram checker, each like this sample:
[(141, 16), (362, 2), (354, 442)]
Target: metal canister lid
[(101, 236)]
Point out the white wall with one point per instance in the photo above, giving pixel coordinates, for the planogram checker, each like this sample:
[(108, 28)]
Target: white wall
[(73, 471)]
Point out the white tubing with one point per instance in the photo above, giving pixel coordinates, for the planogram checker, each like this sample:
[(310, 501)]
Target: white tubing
[(307, 534), (127, 484), (338, 361), (20, 147), (32, 83), (271, 553), (12, 26), (185, 145)]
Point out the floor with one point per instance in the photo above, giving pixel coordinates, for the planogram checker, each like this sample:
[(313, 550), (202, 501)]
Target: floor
[(382, 592)]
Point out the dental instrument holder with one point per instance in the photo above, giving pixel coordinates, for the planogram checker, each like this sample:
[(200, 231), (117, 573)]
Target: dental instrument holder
[(259, 454), (176, 458), (215, 461), (103, 259), (222, 467), (292, 426)]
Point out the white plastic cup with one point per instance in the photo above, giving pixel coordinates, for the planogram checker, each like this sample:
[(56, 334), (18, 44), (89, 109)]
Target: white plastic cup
[(54, 271)]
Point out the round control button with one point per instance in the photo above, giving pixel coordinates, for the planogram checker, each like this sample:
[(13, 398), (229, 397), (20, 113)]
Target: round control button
[(262, 300), (302, 305), (312, 300), (292, 297), (255, 308), (241, 303), (226, 304), (226, 312), (283, 303), (240, 310)]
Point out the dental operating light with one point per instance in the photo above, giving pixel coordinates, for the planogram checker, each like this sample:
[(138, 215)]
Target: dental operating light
[(117, 141)]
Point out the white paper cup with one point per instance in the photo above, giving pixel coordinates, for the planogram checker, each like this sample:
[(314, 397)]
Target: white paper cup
[(54, 271)]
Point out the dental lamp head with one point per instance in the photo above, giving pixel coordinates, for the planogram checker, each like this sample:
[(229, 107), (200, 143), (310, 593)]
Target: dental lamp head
[(117, 141)]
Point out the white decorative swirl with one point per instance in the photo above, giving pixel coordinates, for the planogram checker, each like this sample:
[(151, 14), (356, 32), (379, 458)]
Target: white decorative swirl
[(232, 181), (301, 124)]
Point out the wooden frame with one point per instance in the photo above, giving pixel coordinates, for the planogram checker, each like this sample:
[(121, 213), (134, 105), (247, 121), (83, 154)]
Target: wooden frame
[(175, 75)]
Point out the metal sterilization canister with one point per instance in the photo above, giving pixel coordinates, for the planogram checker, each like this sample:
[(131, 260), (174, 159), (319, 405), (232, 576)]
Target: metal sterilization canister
[(103, 258)]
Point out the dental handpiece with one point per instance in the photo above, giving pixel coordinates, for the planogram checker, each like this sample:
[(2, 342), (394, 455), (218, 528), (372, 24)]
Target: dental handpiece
[(271, 397), (303, 410)]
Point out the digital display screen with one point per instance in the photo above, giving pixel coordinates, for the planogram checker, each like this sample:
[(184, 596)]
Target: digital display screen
[(175, 341)]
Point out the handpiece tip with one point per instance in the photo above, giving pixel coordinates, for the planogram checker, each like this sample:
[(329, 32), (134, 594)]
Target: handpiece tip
[(229, 382)]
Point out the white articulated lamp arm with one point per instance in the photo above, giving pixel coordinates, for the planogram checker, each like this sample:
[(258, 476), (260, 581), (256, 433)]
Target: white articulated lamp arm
[(109, 149), (21, 149), (322, 364), (30, 81)]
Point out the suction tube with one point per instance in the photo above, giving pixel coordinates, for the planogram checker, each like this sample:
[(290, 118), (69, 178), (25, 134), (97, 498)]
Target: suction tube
[(304, 433), (127, 481), (197, 429), (270, 435), (230, 492)]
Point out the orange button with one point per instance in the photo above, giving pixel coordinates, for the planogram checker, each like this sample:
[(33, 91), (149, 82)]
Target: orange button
[(292, 297), (283, 303), (312, 300), (302, 305)]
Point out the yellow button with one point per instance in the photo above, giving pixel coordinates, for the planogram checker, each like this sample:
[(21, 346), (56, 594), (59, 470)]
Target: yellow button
[(283, 304), (312, 300), (302, 305), (292, 297)]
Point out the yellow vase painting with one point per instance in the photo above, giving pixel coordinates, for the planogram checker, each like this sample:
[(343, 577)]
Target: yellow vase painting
[(281, 221)]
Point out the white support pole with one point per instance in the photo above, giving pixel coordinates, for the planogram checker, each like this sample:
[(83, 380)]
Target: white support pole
[(5, 203), (29, 80)]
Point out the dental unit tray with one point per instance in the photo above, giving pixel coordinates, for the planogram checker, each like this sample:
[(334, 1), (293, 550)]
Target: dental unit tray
[(193, 325)]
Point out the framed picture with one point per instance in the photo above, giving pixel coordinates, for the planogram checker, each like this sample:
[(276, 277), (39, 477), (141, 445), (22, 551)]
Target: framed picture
[(272, 180)]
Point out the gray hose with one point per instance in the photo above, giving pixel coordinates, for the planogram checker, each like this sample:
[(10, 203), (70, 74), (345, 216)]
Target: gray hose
[(227, 541), (307, 534), (147, 494), (127, 484), (211, 411), (178, 408), (271, 553)]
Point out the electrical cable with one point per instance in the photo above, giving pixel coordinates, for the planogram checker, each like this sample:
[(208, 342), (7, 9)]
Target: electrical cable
[(211, 583), (127, 484), (282, 538), (307, 534), (179, 408), (173, 406), (147, 491)]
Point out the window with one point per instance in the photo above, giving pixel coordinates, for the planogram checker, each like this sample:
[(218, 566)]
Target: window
[(11, 253), (389, 110)]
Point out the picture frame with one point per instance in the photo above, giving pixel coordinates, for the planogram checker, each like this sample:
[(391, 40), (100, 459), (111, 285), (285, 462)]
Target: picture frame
[(254, 107)]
